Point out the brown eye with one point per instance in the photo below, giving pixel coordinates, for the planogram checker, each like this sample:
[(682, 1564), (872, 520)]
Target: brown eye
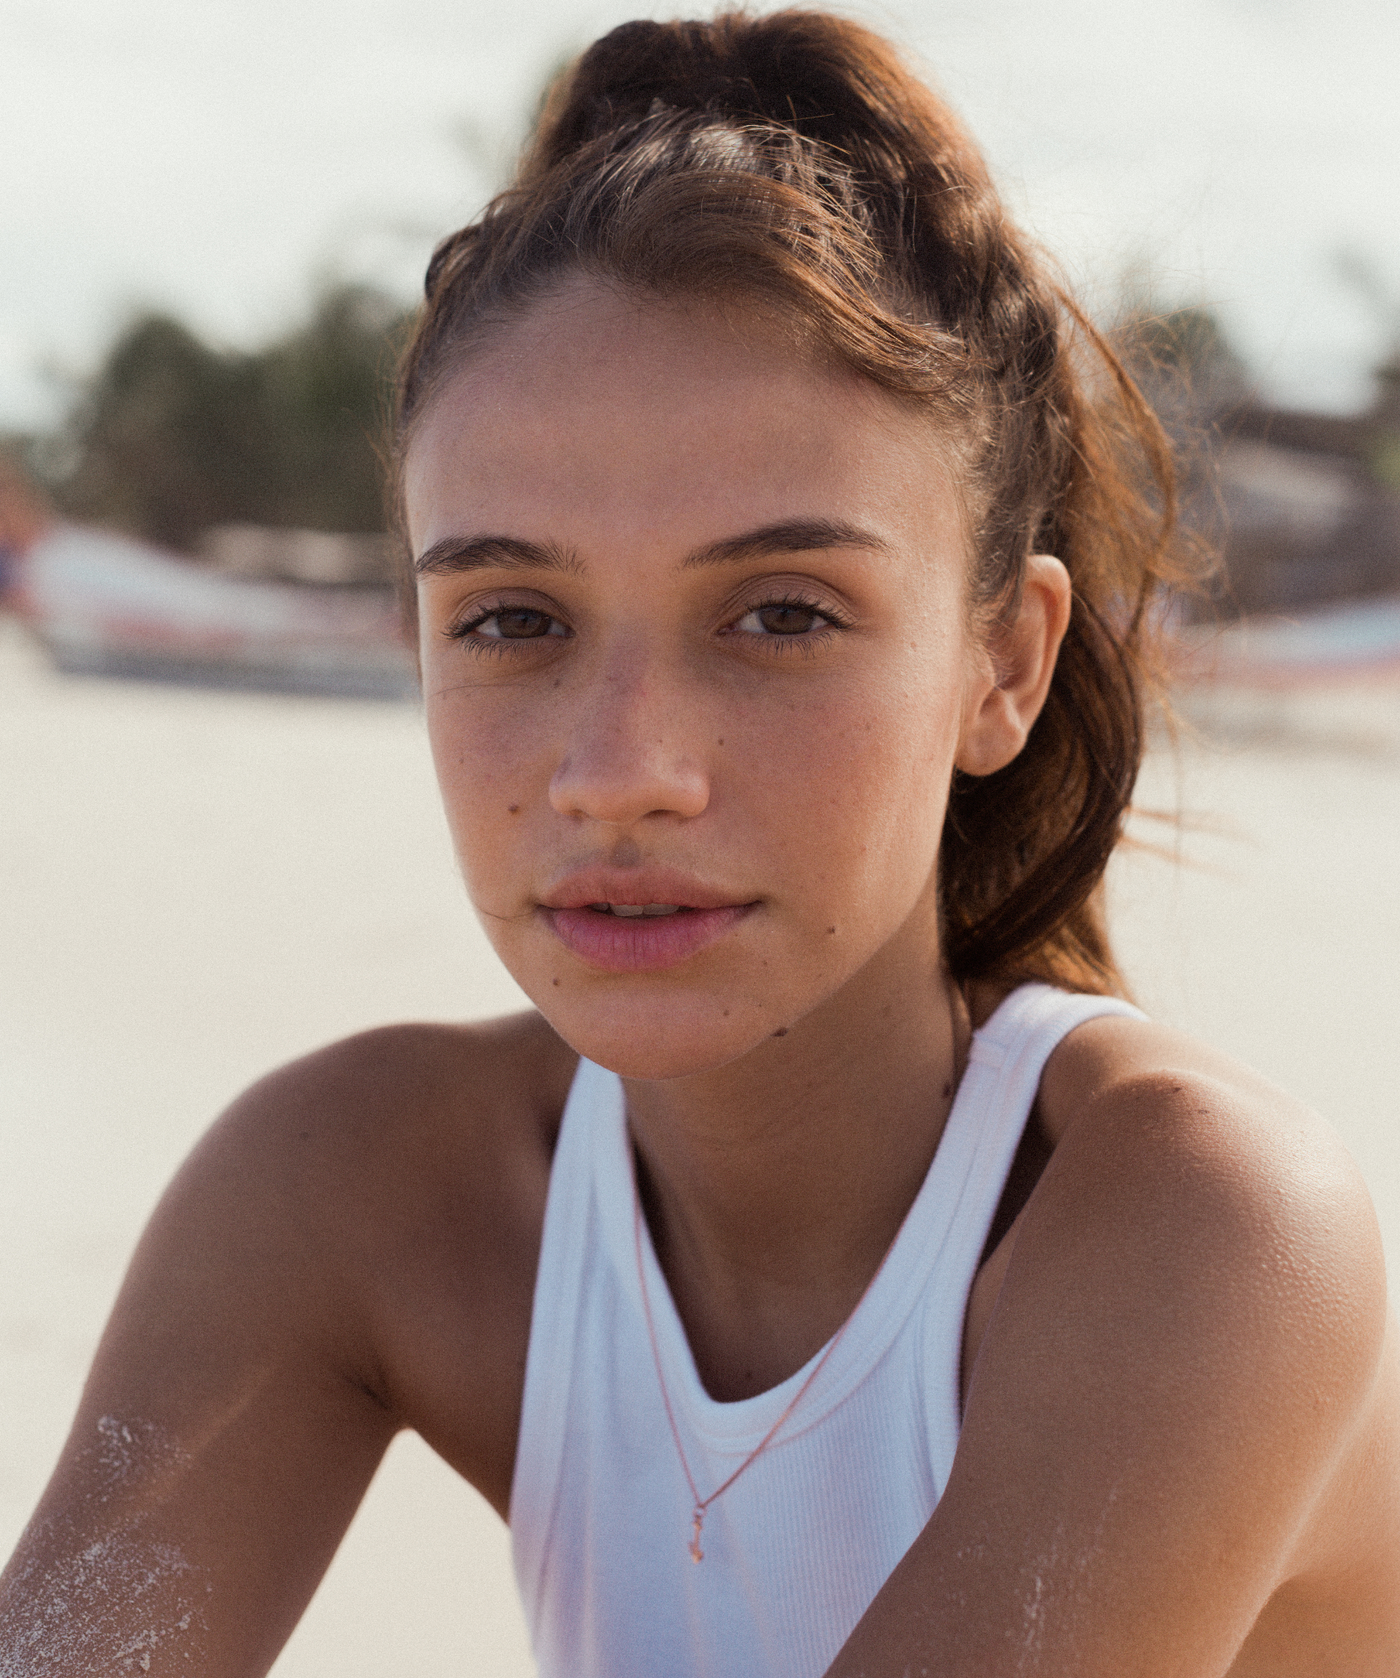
[(522, 624), (787, 620), (782, 618), (517, 623)]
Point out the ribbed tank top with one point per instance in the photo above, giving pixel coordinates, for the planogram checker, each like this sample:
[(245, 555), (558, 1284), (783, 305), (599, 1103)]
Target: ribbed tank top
[(796, 1549)]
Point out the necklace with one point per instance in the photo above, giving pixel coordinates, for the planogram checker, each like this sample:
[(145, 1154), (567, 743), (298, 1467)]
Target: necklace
[(701, 1504)]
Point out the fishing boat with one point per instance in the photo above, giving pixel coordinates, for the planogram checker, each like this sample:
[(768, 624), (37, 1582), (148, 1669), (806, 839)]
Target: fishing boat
[(106, 605)]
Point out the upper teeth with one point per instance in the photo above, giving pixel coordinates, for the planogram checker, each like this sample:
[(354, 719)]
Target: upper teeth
[(637, 908)]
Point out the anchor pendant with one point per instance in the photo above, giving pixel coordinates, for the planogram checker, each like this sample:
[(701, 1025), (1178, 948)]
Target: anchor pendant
[(697, 1521)]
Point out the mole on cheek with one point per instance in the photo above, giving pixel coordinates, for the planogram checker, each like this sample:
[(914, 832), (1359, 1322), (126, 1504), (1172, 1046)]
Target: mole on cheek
[(512, 809)]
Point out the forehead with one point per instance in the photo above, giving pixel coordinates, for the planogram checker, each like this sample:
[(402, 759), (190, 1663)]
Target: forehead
[(598, 409)]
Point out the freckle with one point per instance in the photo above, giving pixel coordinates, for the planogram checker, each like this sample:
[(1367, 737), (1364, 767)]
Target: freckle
[(512, 809), (555, 981), (831, 929), (726, 1013), (947, 1089), (720, 741), (782, 1031)]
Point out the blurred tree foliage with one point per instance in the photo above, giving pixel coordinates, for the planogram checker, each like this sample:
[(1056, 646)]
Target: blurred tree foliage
[(171, 436)]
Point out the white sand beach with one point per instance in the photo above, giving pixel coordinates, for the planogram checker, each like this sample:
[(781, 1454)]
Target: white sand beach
[(196, 885)]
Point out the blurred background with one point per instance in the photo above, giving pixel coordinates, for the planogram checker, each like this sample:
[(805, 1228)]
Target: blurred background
[(219, 841)]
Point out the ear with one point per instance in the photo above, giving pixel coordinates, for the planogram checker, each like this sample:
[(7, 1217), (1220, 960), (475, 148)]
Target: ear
[(1005, 697)]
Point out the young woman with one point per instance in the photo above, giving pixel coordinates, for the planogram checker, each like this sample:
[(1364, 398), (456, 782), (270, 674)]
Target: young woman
[(833, 1275)]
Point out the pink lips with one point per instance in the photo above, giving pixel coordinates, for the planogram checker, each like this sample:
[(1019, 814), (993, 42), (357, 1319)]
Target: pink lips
[(640, 944)]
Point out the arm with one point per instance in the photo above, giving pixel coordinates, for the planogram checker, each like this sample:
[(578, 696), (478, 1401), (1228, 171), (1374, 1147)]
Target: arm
[(228, 1428), (1186, 1341)]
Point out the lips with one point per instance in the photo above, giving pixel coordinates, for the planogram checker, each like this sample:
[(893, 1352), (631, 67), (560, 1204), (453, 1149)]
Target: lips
[(637, 921)]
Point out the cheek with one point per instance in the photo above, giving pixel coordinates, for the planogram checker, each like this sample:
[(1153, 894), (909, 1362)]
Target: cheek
[(857, 785), (482, 772)]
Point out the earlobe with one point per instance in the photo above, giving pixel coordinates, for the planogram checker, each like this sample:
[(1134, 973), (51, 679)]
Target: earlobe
[(1005, 698)]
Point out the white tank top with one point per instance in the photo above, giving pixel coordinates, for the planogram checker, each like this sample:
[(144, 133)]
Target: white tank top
[(798, 1546)]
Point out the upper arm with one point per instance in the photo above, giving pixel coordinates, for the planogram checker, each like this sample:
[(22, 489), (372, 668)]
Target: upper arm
[(1188, 1330), (229, 1425)]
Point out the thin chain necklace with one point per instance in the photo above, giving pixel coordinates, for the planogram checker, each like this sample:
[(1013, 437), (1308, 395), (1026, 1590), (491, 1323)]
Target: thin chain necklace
[(701, 1504)]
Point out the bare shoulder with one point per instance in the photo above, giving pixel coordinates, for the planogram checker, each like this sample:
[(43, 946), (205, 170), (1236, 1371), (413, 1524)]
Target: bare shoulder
[(500, 1082), (334, 1153), (404, 1154), (1201, 1152), (1172, 1112)]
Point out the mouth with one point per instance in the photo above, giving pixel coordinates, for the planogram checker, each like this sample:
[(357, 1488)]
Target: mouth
[(649, 922), (630, 911)]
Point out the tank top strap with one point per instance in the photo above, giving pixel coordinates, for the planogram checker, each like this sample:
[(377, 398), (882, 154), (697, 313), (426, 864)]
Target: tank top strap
[(1006, 1059), (569, 1243)]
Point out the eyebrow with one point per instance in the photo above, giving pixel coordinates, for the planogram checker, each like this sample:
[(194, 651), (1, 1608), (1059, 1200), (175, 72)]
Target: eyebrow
[(792, 536), (473, 553)]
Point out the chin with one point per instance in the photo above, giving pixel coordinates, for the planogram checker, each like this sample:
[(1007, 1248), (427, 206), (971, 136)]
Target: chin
[(662, 1037)]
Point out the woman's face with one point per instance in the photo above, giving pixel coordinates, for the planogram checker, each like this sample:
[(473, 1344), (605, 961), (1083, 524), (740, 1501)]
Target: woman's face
[(696, 668)]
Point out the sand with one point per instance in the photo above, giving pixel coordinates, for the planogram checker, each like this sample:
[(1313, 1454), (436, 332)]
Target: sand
[(198, 885)]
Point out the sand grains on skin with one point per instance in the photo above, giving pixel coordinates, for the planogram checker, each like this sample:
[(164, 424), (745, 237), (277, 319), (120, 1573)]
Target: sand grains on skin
[(121, 1578)]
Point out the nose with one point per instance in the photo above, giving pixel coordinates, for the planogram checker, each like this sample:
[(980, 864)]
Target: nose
[(630, 752)]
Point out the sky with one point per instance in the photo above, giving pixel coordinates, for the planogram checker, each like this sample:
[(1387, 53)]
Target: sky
[(222, 159)]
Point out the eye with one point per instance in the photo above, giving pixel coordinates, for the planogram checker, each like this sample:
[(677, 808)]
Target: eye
[(511, 623), (784, 619)]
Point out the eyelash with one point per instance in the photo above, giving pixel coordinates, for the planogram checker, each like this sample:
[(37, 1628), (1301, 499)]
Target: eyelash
[(498, 645), (829, 623), (492, 645)]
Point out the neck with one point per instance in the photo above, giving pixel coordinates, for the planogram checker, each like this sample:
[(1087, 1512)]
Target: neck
[(773, 1187)]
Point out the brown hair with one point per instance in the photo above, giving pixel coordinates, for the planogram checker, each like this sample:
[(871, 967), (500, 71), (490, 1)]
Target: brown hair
[(794, 161)]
